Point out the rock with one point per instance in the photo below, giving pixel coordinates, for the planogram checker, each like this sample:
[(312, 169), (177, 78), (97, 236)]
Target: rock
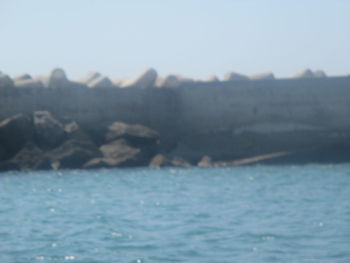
[(231, 76), (159, 161), (58, 79), (14, 133), (173, 81), (180, 162), (117, 149), (28, 83), (100, 82), (118, 154), (77, 149), (137, 135), (90, 77), (145, 80), (71, 127), (23, 76), (320, 74), (305, 74), (75, 133), (267, 75), (31, 158), (49, 132), (206, 161), (5, 81), (73, 154)]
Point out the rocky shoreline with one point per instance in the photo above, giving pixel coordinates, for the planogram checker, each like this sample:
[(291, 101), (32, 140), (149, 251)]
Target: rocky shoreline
[(52, 122), (39, 141)]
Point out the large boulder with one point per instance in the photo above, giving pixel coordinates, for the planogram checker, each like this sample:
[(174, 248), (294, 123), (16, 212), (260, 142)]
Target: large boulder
[(15, 132), (58, 79), (100, 82), (31, 158), (49, 132), (73, 154), (135, 134), (144, 80), (5, 81), (232, 76), (118, 153), (28, 83), (77, 149)]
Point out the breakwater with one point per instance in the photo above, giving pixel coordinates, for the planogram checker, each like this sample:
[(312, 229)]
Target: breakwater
[(227, 120)]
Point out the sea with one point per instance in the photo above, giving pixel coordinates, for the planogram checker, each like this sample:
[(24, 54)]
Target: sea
[(298, 214)]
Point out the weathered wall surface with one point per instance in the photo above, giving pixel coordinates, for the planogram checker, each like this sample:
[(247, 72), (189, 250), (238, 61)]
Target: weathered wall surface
[(224, 119)]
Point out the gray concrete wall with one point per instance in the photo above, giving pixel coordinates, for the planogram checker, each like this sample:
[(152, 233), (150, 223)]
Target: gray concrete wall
[(205, 117)]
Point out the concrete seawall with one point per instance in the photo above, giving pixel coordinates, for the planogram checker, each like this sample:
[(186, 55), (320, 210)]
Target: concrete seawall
[(226, 120)]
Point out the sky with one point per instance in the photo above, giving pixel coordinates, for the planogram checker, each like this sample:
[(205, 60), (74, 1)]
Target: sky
[(195, 38)]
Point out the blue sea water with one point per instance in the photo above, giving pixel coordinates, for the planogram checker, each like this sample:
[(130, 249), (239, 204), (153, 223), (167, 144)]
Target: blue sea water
[(242, 214)]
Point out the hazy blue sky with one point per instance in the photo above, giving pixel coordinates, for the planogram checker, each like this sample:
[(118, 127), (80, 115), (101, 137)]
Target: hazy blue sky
[(190, 37)]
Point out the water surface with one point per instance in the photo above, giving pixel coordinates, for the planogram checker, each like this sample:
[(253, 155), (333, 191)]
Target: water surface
[(215, 215)]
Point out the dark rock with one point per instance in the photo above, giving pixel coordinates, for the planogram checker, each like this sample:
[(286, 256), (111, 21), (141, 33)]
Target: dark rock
[(73, 154), (76, 150), (14, 133), (31, 158), (136, 135), (49, 132)]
